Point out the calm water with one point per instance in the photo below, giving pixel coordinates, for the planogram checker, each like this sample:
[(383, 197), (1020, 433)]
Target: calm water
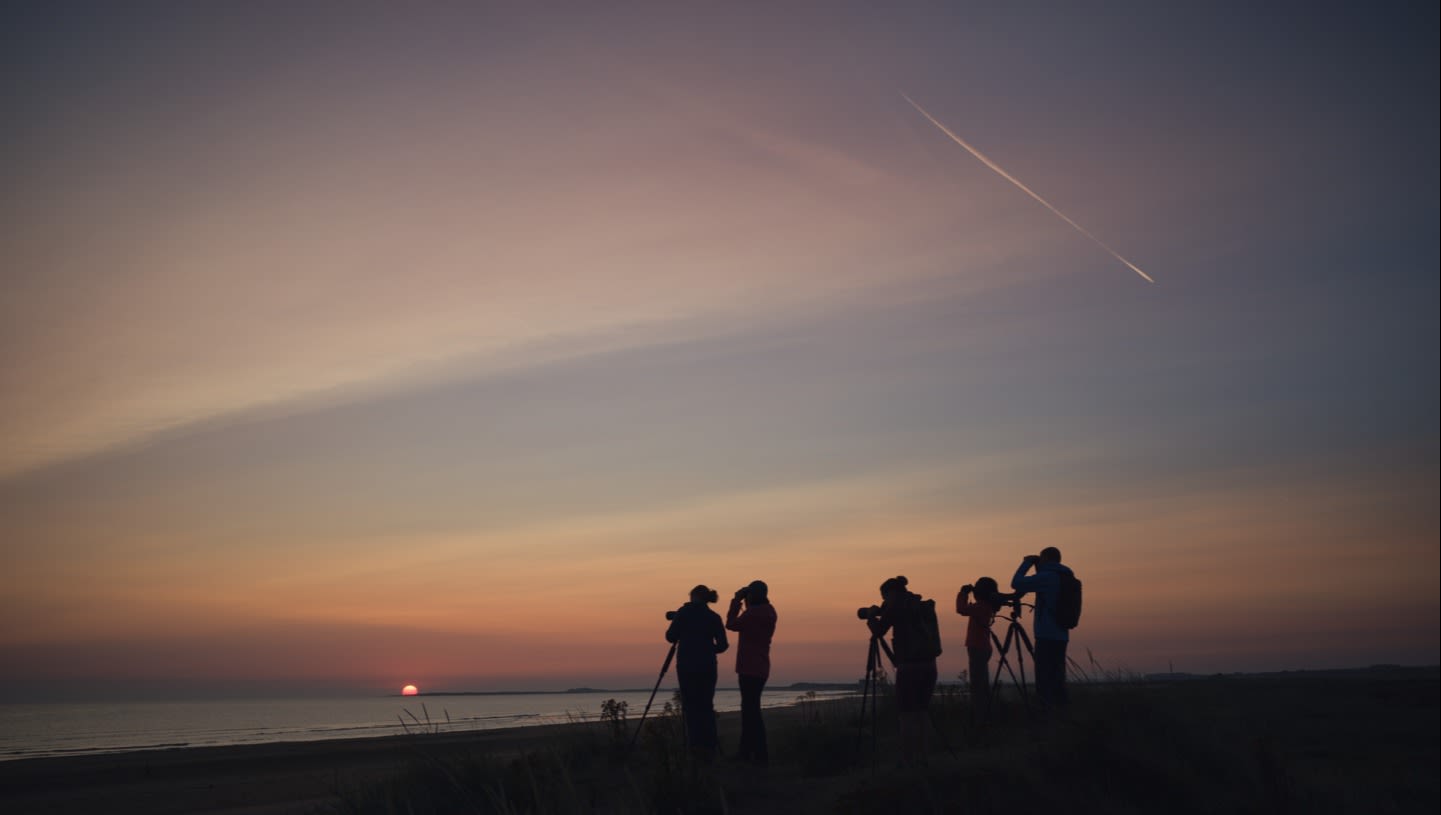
[(48, 729)]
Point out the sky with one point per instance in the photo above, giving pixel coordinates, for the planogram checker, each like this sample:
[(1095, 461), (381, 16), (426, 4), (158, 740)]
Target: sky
[(454, 345)]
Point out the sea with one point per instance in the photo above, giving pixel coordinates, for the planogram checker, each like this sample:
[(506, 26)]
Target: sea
[(31, 730)]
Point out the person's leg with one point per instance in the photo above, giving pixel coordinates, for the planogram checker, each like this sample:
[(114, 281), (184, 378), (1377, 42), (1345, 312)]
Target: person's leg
[(914, 686), (980, 674), (690, 704), (927, 675), (1063, 696), (1050, 671), (906, 703), (745, 750), (913, 731), (708, 738), (697, 692), (753, 729)]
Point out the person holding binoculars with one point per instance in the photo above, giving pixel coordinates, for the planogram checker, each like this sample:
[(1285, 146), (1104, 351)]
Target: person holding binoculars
[(980, 602), (755, 627)]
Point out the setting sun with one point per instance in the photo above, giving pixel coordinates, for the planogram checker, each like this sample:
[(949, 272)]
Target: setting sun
[(409, 690)]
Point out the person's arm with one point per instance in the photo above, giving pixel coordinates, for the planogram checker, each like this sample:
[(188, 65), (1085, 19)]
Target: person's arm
[(721, 641), (964, 606), (734, 618), (1021, 583)]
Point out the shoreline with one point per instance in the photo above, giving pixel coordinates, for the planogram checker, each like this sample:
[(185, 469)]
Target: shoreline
[(257, 779), (271, 778), (204, 740)]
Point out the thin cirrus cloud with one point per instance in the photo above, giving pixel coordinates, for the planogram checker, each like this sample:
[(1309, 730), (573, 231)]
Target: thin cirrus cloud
[(323, 270)]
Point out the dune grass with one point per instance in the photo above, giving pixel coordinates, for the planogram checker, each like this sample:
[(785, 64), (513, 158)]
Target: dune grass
[(1243, 745)]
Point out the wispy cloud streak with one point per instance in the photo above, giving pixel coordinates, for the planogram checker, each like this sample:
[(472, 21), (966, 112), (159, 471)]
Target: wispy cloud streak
[(1027, 190)]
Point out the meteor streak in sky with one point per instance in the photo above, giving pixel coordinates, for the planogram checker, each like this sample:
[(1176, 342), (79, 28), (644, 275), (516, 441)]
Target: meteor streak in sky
[(1027, 190)]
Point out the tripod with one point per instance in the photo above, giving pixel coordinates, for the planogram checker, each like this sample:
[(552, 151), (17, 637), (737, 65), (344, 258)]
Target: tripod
[(1015, 632), (665, 666), (870, 689)]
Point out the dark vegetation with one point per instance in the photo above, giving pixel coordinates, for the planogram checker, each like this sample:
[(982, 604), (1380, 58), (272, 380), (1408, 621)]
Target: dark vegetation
[(1330, 743)]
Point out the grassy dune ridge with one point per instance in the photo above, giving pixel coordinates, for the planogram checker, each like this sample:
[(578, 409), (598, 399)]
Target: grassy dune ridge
[(1313, 743)]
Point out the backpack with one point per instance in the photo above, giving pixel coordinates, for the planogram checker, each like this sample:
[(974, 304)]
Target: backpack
[(1068, 602), (926, 636)]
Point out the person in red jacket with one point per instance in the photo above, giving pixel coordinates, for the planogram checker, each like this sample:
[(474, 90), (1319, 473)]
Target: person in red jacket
[(755, 627), (982, 613)]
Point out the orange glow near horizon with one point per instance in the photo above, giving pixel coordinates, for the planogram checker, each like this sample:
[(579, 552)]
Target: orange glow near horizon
[(1143, 610), (458, 348)]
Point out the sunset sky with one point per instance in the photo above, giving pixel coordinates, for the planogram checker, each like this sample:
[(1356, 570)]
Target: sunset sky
[(386, 345)]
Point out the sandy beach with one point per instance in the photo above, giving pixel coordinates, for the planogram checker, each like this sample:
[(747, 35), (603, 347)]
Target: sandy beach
[(256, 779)]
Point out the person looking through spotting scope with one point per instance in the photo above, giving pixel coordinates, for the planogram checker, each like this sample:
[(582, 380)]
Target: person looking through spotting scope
[(1051, 636), (756, 626), (699, 635), (916, 642)]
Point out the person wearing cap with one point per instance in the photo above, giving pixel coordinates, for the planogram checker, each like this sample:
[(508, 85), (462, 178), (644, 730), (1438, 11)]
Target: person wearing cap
[(755, 627), (699, 635)]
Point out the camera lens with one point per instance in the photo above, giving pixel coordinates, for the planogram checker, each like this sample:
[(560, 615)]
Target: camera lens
[(670, 615)]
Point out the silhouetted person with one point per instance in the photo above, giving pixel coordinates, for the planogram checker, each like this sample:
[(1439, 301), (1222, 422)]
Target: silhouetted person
[(979, 603), (755, 626), (1051, 637), (916, 646), (699, 635)]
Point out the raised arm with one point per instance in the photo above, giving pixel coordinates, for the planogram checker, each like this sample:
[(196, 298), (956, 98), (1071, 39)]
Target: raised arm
[(1021, 583), (964, 606), (735, 620)]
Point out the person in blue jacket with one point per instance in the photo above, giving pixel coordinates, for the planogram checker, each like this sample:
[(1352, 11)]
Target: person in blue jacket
[(1051, 637), (699, 634)]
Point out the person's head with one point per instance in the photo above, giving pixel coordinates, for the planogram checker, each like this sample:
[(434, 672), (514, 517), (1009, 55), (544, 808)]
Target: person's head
[(1050, 555), (757, 593), (987, 588), (894, 586), (702, 594)]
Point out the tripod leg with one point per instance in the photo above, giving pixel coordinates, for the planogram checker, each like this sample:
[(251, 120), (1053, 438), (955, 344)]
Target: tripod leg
[(1014, 631), (1026, 641), (866, 690), (1020, 658), (665, 666), (870, 690), (875, 696), (1004, 663)]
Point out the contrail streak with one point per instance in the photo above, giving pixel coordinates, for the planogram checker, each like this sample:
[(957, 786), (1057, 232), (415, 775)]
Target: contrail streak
[(1027, 190)]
